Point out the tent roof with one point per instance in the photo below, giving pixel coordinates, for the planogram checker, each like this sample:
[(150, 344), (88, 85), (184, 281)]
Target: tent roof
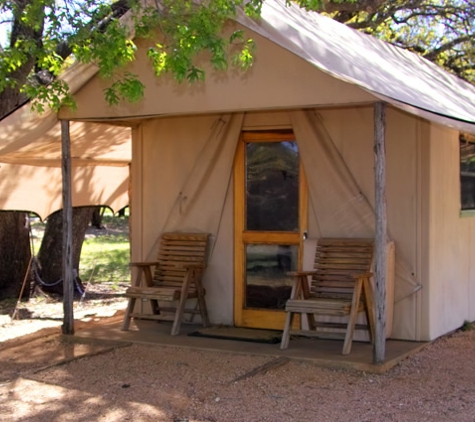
[(398, 76), (392, 74), (395, 75)]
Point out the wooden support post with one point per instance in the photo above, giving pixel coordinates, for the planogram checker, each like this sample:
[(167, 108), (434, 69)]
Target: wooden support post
[(380, 267), (68, 280)]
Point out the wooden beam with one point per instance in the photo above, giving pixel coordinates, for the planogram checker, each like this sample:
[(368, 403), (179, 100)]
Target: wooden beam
[(67, 264), (380, 267)]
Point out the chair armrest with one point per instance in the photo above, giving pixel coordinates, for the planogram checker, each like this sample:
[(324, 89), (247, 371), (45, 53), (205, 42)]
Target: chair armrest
[(362, 275), (143, 264), (301, 273), (190, 265), (144, 269), (300, 287)]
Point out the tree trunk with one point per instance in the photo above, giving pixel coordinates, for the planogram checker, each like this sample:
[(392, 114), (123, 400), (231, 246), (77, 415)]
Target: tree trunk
[(14, 252), (50, 253), (96, 220)]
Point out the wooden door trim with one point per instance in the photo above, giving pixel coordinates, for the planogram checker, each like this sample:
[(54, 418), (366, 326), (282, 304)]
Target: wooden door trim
[(243, 237), (239, 224)]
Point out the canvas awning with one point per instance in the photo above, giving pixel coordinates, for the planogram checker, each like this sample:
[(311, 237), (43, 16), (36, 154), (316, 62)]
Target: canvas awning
[(30, 159), (30, 176)]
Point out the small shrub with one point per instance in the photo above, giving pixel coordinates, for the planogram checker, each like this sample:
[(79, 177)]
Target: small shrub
[(467, 326)]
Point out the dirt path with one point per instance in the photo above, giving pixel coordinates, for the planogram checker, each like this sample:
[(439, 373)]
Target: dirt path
[(51, 379), (47, 377)]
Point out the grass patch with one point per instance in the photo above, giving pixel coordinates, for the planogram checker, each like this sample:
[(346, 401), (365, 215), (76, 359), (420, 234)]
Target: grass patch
[(105, 253), (105, 259), (467, 326)]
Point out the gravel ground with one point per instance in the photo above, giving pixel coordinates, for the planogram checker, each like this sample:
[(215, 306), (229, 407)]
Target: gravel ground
[(50, 379), (47, 377), (100, 301)]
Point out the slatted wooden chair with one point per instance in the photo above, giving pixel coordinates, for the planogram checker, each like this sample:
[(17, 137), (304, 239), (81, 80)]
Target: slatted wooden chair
[(176, 278), (339, 286)]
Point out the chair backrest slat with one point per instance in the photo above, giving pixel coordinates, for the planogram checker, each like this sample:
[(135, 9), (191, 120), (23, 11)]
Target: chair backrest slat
[(175, 251), (336, 262)]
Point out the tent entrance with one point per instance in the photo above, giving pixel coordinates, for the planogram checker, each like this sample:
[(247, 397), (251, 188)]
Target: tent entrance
[(270, 219)]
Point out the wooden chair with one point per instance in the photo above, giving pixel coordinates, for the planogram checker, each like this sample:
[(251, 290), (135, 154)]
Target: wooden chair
[(340, 286), (176, 278)]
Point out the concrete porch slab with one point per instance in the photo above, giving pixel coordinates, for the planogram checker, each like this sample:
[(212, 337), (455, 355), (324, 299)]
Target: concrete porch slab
[(321, 352)]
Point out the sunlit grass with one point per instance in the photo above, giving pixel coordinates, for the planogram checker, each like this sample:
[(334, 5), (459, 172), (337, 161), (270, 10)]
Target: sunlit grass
[(105, 254), (105, 259)]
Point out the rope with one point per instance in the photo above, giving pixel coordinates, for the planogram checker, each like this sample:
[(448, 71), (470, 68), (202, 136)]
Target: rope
[(87, 285), (35, 266), (43, 283)]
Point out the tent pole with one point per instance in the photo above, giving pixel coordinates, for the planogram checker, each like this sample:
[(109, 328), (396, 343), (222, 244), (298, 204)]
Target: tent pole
[(380, 267), (67, 264)]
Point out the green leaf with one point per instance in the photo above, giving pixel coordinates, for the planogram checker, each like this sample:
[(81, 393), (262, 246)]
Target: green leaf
[(195, 75), (127, 88)]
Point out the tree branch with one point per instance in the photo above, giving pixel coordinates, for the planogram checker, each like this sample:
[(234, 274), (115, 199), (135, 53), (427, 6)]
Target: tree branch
[(370, 6), (433, 54)]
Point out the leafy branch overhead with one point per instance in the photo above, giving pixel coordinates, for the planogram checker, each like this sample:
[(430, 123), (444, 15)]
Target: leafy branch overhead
[(45, 36)]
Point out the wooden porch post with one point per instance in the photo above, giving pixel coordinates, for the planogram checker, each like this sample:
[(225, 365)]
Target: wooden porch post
[(380, 268), (67, 264)]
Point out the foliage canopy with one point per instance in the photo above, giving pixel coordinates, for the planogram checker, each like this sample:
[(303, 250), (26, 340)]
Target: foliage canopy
[(45, 36)]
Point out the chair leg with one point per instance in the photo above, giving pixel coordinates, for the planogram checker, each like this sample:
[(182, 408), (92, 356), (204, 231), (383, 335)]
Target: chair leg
[(349, 334), (312, 325), (369, 310), (202, 301), (286, 333), (350, 328), (299, 289), (128, 312), (181, 305), (178, 315)]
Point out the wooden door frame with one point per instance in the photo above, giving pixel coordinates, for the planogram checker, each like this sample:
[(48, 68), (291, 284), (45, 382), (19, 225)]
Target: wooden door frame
[(254, 317)]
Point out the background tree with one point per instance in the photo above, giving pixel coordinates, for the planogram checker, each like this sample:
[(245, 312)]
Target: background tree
[(50, 253), (14, 252)]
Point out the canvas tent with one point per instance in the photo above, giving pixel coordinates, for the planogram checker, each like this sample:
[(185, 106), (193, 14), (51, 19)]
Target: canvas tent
[(319, 80)]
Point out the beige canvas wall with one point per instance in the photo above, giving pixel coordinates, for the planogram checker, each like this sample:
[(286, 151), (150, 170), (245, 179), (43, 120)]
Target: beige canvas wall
[(163, 159), (352, 132), (435, 279), (166, 152), (277, 79), (451, 245)]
